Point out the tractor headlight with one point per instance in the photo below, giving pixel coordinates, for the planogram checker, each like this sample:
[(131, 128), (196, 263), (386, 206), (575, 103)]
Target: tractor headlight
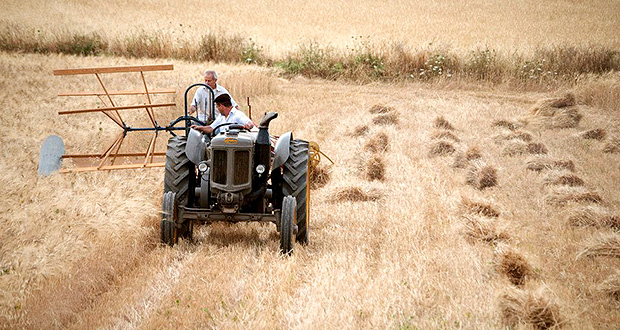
[(260, 169), (202, 167)]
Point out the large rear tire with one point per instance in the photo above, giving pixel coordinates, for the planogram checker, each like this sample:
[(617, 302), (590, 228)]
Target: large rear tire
[(295, 182), (287, 219), (180, 178)]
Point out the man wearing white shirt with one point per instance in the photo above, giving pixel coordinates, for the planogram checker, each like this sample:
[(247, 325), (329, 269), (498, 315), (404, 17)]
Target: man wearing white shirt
[(230, 115), (199, 103)]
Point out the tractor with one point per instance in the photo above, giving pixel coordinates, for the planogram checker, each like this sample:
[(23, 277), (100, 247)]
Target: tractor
[(235, 175)]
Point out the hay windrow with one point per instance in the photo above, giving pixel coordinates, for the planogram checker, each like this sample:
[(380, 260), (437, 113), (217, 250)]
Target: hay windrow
[(515, 267), (544, 163), (593, 134), (508, 124), (562, 177), (593, 216), (548, 106), (559, 118), (462, 160), (377, 108), (375, 168), (513, 135), (355, 194), (604, 246), (483, 229), (378, 143), (514, 148), (562, 195), (537, 148), (360, 131), (481, 175), (447, 135), (386, 119), (442, 123), (524, 307), (612, 145), (477, 207), (319, 177), (441, 148)]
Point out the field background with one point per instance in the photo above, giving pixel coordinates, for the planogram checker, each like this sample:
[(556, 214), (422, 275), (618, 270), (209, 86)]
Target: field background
[(81, 250)]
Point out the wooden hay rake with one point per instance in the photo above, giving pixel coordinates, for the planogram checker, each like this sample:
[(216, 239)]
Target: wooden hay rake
[(109, 159)]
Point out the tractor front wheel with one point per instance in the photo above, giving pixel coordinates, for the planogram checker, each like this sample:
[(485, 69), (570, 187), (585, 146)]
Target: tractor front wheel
[(287, 219), (169, 234)]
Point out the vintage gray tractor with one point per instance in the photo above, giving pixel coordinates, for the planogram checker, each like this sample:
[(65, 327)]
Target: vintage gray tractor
[(235, 175)]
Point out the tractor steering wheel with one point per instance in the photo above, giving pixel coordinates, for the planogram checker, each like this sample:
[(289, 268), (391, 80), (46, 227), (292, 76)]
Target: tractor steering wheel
[(232, 126)]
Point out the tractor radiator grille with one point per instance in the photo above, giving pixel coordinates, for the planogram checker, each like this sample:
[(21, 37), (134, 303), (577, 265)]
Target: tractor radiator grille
[(219, 166), (242, 167)]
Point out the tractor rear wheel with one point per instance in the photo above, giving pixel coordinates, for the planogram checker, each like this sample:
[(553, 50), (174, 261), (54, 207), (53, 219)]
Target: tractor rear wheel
[(180, 178), (168, 228), (295, 182), (287, 219)]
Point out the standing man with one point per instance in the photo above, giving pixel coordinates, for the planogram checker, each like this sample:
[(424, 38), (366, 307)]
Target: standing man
[(202, 96), (228, 115)]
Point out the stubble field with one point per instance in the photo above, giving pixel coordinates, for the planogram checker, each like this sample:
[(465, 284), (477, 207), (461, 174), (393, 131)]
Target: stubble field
[(450, 205)]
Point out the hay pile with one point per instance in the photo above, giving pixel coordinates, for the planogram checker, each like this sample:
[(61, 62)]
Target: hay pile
[(463, 159), (377, 143), (441, 148), (612, 145), (593, 134), (533, 308), (377, 108), (558, 112), (606, 245), (545, 163), (561, 195), (515, 267), (508, 124), (562, 177), (442, 123), (354, 194), (517, 148), (477, 207), (611, 286), (481, 175), (537, 148), (375, 168), (446, 135), (483, 229), (512, 135), (360, 131), (593, 216), (390, 118), (319, 177)]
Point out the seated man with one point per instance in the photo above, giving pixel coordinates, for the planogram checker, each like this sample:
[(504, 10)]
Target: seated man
[(229, 115), (202, 96)]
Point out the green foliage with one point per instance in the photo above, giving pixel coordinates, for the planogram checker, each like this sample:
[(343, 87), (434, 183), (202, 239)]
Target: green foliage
[(483, 64), (252, 53), (83, 44)]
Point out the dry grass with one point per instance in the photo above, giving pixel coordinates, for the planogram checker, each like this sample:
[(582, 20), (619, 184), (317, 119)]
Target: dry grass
[(512, 125), (606, 245), (377, 143), (611, 286), (442, 123), (547, 107), (593, 216), (562, 195), (518, 148), (386, 119), (539, 164), (483, 229), (446, 135), (375, 168), (593, 134), (515, 267), (513, 135), (377, 109), (530, 308), (319, 177), (481, 175), (441, 148), (360, 131), (463, 159), (612, 145), (479, 207), (562, 177), (354, 194)]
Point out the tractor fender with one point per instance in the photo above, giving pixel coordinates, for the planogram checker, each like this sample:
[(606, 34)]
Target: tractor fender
[(282, 149), (195, 149)]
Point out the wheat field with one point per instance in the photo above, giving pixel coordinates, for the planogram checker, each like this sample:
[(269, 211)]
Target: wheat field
[(449, 204)]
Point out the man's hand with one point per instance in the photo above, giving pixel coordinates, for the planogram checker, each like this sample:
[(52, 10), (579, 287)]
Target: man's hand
[(192, 109), (248, 126), (203, 129)]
